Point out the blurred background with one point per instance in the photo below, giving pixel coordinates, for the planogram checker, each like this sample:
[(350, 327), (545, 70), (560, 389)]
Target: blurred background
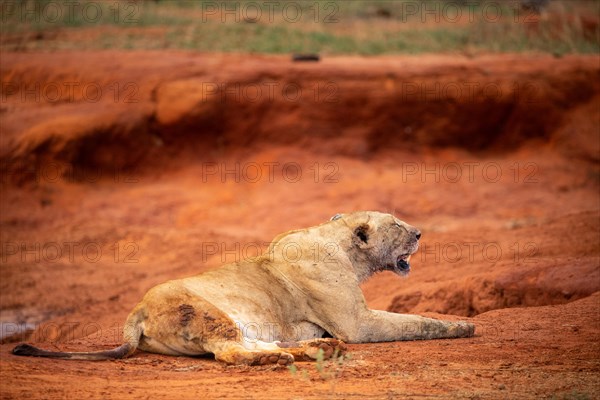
[(355, 27), (143, 141)]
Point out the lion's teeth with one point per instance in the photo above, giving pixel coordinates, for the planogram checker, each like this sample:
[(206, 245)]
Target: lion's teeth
[(408, 258)]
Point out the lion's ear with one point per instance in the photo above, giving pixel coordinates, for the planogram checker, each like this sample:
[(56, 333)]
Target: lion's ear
[(361, 234)]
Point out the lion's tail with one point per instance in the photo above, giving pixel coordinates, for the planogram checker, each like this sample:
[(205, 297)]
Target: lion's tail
[(132, 333), (118, 352)]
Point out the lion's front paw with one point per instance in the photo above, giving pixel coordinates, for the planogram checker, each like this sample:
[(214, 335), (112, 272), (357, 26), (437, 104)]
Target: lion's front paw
[(329, 346), (273, 358), (462, 329)]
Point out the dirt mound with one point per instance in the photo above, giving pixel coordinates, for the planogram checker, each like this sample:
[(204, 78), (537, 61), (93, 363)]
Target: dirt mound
[(555, 270), (189, 103), (475, 295)]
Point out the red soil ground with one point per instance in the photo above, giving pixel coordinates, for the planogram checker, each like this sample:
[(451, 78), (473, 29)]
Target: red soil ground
[(123, 170)]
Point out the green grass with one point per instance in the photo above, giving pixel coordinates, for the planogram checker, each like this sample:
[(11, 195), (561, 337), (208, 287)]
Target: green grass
[(328, 27)]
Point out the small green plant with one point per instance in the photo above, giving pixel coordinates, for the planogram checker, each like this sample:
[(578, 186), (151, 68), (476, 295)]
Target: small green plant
[(319, 364), (327, 369), (294, 372), (293, 369), (332, 368)]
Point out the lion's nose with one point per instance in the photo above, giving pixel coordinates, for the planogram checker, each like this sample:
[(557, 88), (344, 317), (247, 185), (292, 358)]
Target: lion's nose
[(418, 234)]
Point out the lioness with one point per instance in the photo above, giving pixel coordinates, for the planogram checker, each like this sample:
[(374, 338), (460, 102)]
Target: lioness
[(302, 295)]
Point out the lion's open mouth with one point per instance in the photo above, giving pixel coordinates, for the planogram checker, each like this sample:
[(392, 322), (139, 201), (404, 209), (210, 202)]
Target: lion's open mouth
[(402, 263)]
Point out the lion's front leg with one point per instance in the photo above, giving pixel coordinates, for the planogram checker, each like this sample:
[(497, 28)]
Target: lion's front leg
[(382, 326)]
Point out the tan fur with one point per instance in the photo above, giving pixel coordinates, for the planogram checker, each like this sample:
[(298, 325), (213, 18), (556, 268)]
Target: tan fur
[(277, 306)]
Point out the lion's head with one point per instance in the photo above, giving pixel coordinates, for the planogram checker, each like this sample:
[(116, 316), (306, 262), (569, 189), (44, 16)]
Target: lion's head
[(379, 242)]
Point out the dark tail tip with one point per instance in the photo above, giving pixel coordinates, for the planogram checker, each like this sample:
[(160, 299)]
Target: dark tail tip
[(25, 350)]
